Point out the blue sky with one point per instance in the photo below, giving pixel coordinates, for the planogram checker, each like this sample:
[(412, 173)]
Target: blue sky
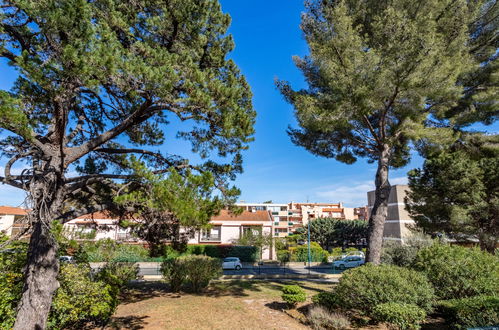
[(267, 35)]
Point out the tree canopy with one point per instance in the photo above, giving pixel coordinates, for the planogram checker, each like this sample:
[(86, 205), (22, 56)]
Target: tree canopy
[(330, 232), (381, 74), (456, 192), (98, 81)]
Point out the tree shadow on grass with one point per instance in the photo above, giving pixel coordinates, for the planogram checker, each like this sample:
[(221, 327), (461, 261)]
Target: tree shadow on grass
[(138, 291), (277, 306), (299, 314), (236, 288), (127, 322)]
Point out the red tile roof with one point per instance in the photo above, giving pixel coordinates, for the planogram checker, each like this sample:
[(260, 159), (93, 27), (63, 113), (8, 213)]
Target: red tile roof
[(225, 215), (12, 210)]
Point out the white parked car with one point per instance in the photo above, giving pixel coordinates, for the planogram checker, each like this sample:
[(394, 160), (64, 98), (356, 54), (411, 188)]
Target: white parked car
[(349, 262), (68, 259), (232, 263), (354, 253)]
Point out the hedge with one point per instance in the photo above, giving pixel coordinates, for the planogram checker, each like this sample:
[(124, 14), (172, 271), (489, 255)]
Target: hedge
[(402, 316), (363, 288), (478, 311), (244, 253), (108, 250), (459, 272)]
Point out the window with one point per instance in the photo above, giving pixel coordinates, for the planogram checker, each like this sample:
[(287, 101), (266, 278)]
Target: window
[(251, 230), (211, 235), (278, 231), (274, 209)]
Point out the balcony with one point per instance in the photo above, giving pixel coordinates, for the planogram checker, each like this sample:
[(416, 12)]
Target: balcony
[(211, 238)]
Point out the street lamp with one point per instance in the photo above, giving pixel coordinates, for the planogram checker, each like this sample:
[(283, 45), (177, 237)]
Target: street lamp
[(309, 257)]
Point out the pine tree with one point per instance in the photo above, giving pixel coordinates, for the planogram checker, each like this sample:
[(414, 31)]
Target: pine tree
[(456, 192), (98, 81), (379, 72)]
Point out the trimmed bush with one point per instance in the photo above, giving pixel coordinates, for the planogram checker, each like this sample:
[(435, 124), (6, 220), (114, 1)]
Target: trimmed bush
[(118, 274), (174, 272), (322, 319), (325, 299), (364, 287), (80, 300), (403, 316), (459, 272), (293, 294), (195, 270), (201, 270), (244, 253), (478, 311)]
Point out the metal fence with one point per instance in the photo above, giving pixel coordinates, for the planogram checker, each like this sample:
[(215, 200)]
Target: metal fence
[(260, 270)]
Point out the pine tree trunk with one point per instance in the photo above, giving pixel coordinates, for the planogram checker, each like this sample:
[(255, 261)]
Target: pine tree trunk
[(380, 209), (40, 275), (487, 242)]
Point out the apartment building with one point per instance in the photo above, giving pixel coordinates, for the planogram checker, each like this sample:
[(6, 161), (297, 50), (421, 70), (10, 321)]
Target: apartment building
[(361, 213), (301, 213), (283, 225), (398, 220), (10, 219)]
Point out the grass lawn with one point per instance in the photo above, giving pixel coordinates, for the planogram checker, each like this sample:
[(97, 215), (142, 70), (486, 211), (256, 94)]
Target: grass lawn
[(224, 305)]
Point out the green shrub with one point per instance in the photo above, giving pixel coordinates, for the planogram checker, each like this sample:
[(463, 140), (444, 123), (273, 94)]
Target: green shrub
[(403, 255), (80, 300), (478, 311), (325, 299), (201, 270), (403, 316), (12, 261), (244, 253), (364, 287), (293, 294), (300, 253), (174, 272), (106, 250), (459, 272), (195, 270), (118, 274), (283, 256), (322, 319)]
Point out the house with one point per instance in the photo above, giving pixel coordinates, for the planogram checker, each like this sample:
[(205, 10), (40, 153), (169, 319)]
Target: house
[(227, 228), (11, 219), (95, 226)]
